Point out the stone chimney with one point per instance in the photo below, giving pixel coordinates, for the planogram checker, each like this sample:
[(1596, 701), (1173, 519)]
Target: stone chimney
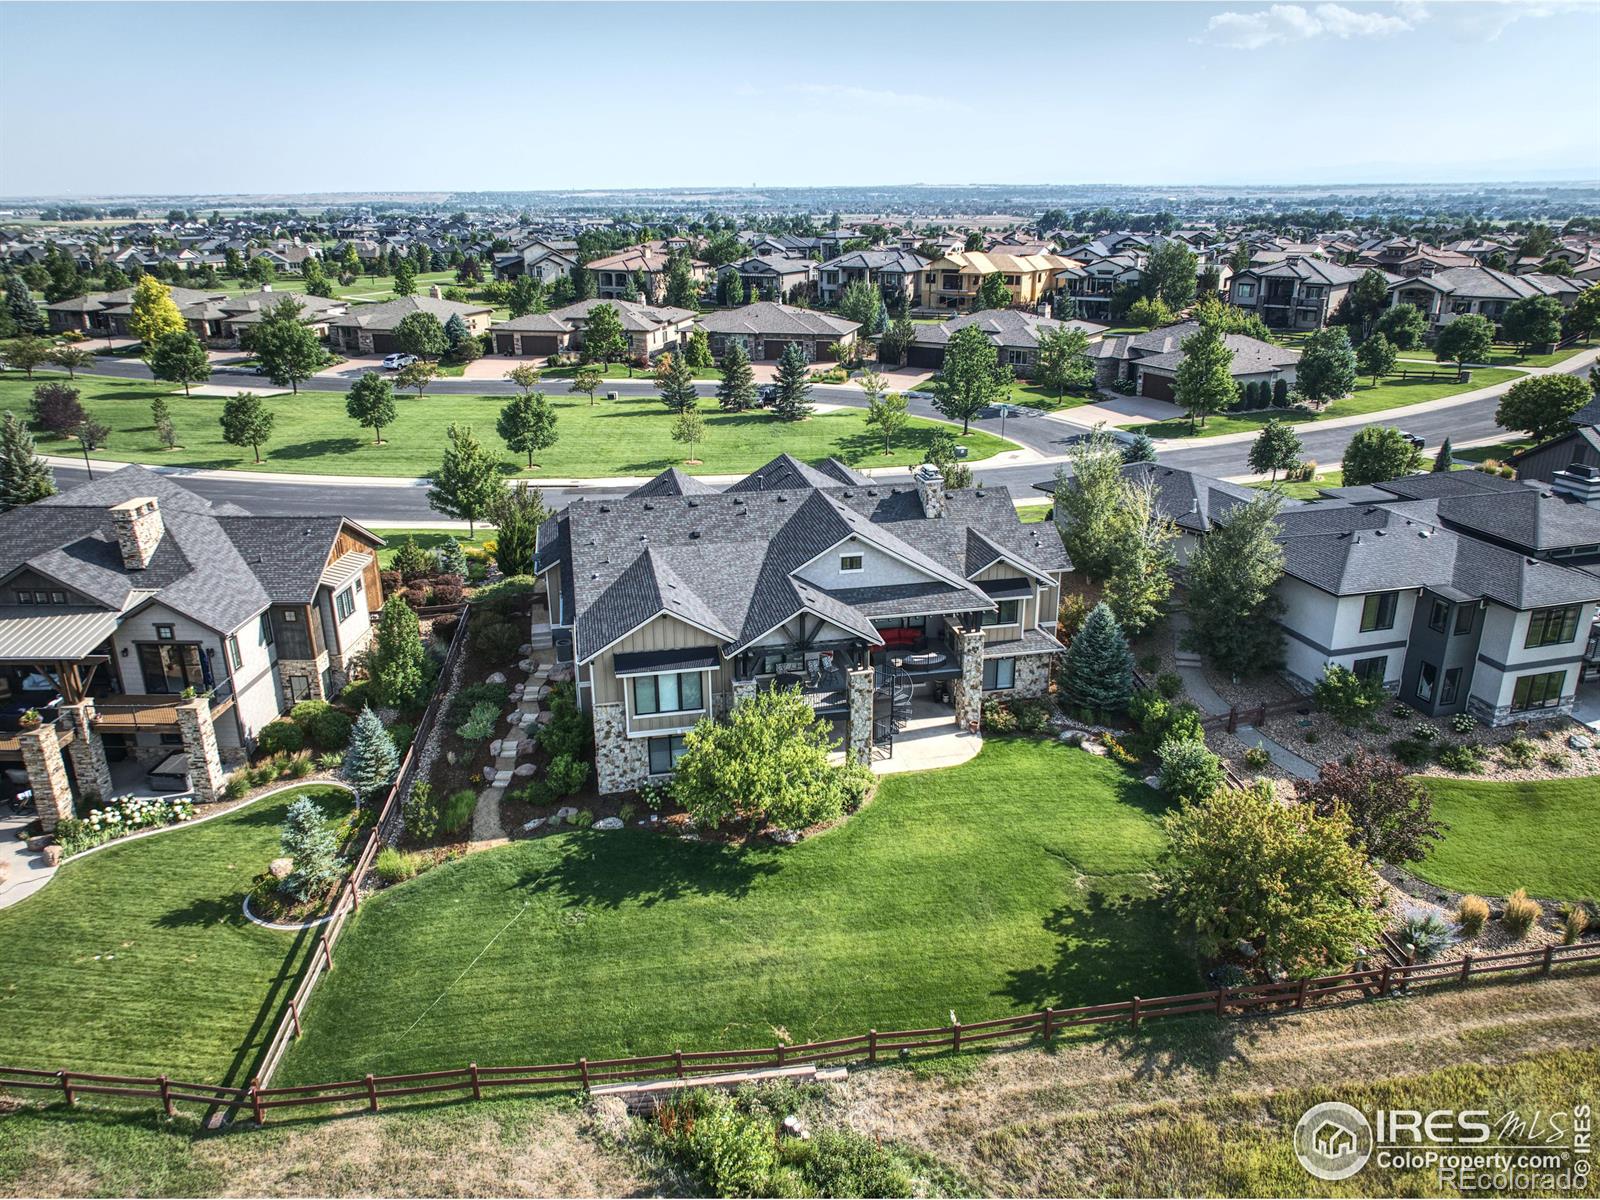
[(930, 487), (436, 292), (1580, 482), (139, 530)]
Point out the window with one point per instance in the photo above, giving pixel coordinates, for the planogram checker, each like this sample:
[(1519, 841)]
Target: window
[(1427, 679), (344, 603), (1007, 614), (267, 635), (665, 753), (1371, 670), (1018, 358), (674, 692), (851, 562), (58, 597), (1439, 616), (1537, 691), (24, 597), (1377, 611), (1244, 291), (1552, 626), (290, 616), (358, 585), (1452, 686), (164, 633), (1464, 619), (234, 656), (999, 673)]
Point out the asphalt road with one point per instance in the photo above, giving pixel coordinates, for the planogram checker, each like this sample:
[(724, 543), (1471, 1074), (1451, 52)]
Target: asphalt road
[(402, 502)]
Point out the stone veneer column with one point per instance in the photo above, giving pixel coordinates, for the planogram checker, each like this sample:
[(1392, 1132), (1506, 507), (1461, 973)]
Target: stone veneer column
[(1032, 677), (621, 763), (200, 747), (47, 775), (858, 737), (967, 691), (88, 751), (743, 689)]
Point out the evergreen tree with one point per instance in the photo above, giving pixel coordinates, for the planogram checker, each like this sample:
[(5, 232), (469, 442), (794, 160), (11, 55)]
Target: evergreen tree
[(527, 425), (1203, 383), (793, 401), (310, 844), (370, 758), (1140, 450), (698, 351), (1097, 671), (737, 391), (154, 314), (24, 476), (246, 421), (21, 306), (676, 385), (288, 350), (682, 291), (405, 279), (1327, 367), (180, 358), (467, 482), (1276, 448), (161, 422), (370, 403), (1445, 460), (1231, 578)]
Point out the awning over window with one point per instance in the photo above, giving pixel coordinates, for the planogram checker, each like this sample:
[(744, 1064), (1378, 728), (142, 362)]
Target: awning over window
[(44, 632), (1006, 589), (653, 662), (345, 568)]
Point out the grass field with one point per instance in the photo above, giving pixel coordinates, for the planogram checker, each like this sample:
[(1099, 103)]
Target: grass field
[(1525, 834), (138, 958), (1031, 514), (429, 539), (1003, 885), (1511, 356), (1366, 399), (629, 436), (1310, 489)]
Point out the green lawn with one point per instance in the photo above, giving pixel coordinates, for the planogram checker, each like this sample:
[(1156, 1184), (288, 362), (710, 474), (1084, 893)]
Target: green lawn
[(1506, 355), (1009, 883), (1499, 451), (1310, 489), (1393, 393), (138, 958), (1031, 514), (1532, 834), (623, 371), (429, 539), (629, 436)]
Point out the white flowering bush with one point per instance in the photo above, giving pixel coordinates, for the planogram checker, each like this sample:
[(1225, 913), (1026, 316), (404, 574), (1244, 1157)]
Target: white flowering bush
[(124, 815)]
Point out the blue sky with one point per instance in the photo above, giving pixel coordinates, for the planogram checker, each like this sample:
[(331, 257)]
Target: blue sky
[(263, 98)]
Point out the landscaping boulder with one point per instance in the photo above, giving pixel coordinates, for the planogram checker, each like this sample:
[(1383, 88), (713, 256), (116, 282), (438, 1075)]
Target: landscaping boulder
[(1580, 741), (608, 823), (52, 855), (524, 770), (785, 837), (561, 674), (1072, 737), (530, 826), (489, 774), (39, 841), (495, 677), (280, 868), (494, 748), (1153, 782), (525, 649)]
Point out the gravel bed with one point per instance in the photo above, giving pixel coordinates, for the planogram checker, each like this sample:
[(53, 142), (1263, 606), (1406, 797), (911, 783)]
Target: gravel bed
[(1494, 938)]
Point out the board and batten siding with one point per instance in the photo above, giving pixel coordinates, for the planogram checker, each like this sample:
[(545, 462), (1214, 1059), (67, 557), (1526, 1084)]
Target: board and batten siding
[(660, 633)]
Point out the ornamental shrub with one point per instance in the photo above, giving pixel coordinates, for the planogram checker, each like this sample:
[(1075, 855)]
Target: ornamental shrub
[(1189, 771), (566, 775), (1430, 934), (370, 761), (1346, 697), (457, 811), (1520, 913), (480, 722), (420, 812), (280, 737), (1471, 913), (309, 842), (1097, 672)]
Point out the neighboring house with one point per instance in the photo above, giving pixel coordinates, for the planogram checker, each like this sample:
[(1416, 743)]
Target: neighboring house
[(216, 318), (1572, 456), (1459, 591), (613, 272), (765, 328), (1015, 335), (147, 622), (650, 329), (1296, 292), (107, 313), (1150, 360), (1094, 282), (785, 245), (369, 328), (1444, 296), (896, 274), (672, 604), (546, 261), (286, 257), (774, 277), (953, 281)]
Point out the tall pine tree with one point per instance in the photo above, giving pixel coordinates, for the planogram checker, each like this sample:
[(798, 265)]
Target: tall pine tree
[(24, 476), (1097, 673), (793, 402), (370, 760), (737, 391)]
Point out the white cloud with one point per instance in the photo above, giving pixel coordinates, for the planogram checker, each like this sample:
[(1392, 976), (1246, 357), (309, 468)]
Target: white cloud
[(1294, 23), (1488, 19)]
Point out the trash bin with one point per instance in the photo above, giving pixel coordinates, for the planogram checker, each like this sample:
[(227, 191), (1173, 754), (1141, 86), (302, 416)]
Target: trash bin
[(611, 395)]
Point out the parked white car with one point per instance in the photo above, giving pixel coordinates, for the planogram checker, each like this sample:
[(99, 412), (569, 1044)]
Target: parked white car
[(395, 361)]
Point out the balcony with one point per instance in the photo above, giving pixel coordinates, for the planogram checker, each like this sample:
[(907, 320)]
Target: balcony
[(133, 713)]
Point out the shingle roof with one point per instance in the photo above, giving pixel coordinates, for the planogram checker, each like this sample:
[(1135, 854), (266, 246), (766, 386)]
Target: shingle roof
[(391, 312), (1003, 326), (770, 318), (673, 482)]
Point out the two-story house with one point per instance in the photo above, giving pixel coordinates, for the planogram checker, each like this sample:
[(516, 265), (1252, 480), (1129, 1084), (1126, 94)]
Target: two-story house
[(954, 280), (896, 274), (546, 260), (1483, 291), (674, 602), (773, 276), (142, 621), (615, 273), (1296, 292)]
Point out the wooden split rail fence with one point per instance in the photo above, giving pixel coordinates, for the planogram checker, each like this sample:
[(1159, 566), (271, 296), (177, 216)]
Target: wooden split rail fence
[(1230, 721), (371, 1092)]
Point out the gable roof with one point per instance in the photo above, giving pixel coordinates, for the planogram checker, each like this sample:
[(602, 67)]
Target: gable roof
[(768, 317), (1003, 326), (391, 312)]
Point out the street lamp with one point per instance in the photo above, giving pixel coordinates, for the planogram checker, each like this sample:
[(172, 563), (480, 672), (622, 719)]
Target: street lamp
[(1004, 409)]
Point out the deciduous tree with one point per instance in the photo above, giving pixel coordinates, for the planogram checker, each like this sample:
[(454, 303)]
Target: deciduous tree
[(1376, 453), (993, 292), (1233, 607), (525, 376), (246, 421), (420, 334), (1276, 448), (888, 415), (1467, 339), (1203, 383), (370, 403), (27, 353), (1533, 321), (1390, 811), (153, 315), (180, 358), (72, 358), (690, 429), (1542, 405), (467, 482), (1404, 325), (417, 375), (1063, 359), (288, 350), (972, 379), (527, 425), (1376, 357), (604, 339), (587, 379), (1327, 367), (1170, 274)]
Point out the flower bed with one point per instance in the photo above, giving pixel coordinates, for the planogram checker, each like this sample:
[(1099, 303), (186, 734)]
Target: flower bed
[(124, 815)]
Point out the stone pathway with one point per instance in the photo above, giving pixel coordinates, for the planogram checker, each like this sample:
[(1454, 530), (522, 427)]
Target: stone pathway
[(528, 709), (22, 871), (1282, 757)]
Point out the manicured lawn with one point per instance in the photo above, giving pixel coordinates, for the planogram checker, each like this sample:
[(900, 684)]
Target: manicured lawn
[(1031, 514), (1310, 489), (1003, 885), (1499, 451), (138, 958), (428, 539), (1533, 834), (1506, 355), (622, 371), (629, 436), (1393, 393)]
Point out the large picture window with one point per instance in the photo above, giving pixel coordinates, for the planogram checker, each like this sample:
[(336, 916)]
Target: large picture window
[(675, 692), (1008, 613), (1552, 626), (1537, 691), (1377, 611), (999, 673)]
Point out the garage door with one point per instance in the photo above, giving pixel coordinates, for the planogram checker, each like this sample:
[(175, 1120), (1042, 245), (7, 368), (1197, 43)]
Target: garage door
[(539, 343), (383, 343), (930, 358), (1157, 387), (504, 343), (775, 349)]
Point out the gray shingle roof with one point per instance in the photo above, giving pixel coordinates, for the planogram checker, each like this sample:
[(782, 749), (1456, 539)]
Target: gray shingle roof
[(1003, 326), (768, 318), (391, 312)]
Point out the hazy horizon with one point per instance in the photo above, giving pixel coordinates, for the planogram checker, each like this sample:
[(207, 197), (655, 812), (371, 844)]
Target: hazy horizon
[(282, 99)]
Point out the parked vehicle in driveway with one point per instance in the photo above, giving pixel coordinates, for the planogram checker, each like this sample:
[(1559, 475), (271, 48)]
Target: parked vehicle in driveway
[(394, 362), (1416, 442)]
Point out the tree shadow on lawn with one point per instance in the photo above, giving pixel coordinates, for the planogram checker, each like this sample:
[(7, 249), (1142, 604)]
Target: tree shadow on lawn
[(611, 869), (316, 449), (205, 913), (1163, 1049)]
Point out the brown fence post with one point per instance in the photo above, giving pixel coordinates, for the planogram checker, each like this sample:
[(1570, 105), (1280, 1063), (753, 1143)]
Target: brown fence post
[(872, 1045), (166, 1094), (472, 1070), (294, 1013), (1233, 718), (327, 953), (583, 1072), (372, 1095), (256, 1110), (1549, 958), (955, 1036), (66, 1089), (1383, 981), (1466, 966), (1222, 1000), (1300, 992), (779, 1053), (1049, 1022), (1135, 1020), (677, 1062)]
